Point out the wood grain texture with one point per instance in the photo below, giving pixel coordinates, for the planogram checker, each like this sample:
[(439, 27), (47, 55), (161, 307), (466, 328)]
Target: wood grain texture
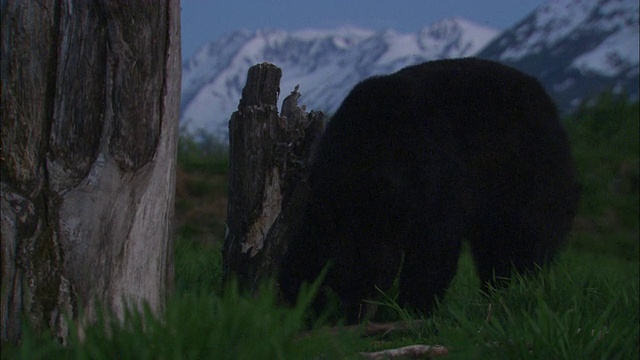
[(269, 154), (89, 130)]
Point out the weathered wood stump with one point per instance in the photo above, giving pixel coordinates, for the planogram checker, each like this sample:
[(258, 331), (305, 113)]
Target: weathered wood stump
[(269, 153), (90, 107)]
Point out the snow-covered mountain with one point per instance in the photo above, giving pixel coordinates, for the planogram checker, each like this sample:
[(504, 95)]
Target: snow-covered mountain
[(325, 63), (576, 48)]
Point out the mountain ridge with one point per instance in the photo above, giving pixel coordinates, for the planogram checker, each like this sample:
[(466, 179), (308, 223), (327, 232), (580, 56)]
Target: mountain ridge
[(576, 48), (325, 63)]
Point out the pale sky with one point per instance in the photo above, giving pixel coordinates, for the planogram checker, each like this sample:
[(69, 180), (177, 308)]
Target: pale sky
[(206, 20)]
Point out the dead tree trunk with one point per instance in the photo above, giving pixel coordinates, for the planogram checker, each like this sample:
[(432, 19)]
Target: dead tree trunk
[(269, 155), (90, 101)]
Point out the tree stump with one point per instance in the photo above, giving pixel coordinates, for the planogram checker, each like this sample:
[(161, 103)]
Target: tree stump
[(269, 154), (90, 109)]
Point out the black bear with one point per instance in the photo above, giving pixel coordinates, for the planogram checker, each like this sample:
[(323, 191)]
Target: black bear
[(414, 162)]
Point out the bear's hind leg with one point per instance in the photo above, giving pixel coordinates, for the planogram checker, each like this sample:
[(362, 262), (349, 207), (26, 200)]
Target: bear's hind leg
[(355, 277), (430, 263), (511, 245)]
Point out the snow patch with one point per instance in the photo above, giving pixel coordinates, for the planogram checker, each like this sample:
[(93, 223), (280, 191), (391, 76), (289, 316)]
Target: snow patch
[(615, 54), (325, 63)]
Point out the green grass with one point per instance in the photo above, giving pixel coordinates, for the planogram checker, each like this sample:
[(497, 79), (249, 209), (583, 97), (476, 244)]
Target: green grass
[(606, 150), (201, 191), (196, 325), (584, 307), (198, 267)]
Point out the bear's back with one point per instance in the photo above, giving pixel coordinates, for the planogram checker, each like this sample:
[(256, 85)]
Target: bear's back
[(489, 128)]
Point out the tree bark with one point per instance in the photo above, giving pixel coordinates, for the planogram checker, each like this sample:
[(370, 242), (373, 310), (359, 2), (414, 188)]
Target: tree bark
[(90, 101), (269, 154)]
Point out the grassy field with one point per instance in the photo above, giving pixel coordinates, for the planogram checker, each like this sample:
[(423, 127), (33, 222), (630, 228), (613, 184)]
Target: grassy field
[(586, 306)]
